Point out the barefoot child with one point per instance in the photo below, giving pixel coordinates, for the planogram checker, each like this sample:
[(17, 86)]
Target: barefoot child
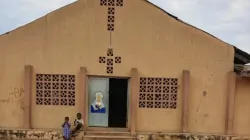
[(66, 129)]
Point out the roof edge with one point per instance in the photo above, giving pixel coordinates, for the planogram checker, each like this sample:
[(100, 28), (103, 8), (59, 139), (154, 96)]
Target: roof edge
[(176, 18), (243, 56), (240, 54), (34, 20)]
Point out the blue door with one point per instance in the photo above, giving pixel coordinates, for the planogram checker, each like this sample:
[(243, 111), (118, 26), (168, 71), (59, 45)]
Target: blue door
[(98, 94)]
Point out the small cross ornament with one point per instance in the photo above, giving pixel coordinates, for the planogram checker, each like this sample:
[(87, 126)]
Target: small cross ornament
[(110, 60)]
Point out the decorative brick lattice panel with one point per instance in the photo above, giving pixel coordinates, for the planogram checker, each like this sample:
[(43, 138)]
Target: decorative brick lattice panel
[(110, 60), (119, 2), (55, 89), (118, 59), (111, 4), (110, 52), (158, 93)]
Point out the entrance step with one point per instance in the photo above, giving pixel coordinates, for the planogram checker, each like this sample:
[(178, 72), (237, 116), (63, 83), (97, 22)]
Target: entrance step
[(107, 135)]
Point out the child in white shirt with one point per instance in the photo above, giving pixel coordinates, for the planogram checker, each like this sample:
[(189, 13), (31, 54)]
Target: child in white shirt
[(78, 123)]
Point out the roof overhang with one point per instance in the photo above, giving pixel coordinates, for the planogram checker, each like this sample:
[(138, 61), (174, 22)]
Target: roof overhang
[(241, 57)]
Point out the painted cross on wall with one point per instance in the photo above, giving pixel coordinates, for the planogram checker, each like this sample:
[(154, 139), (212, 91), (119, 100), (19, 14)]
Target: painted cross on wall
[(109, 60), (111, 4)]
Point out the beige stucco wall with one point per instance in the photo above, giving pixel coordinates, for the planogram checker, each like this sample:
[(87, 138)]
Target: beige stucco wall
[(242, 104), (145, 37)]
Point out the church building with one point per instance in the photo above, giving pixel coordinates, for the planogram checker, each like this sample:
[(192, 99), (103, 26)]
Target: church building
[(128, 67)]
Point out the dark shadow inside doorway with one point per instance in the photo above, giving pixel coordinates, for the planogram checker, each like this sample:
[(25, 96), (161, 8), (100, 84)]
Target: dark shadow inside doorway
[(118, 102)]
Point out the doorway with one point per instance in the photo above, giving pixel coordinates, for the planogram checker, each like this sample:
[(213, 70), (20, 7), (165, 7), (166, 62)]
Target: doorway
[(108, 102), (118, 89)]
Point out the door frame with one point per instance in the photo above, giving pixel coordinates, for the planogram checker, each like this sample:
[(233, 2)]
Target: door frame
[(86, 106)]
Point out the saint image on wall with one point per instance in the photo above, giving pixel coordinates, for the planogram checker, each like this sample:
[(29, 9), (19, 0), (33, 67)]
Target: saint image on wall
[(97, 106)]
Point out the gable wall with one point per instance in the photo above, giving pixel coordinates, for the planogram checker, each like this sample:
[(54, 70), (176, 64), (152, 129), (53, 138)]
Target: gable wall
[(146, 38)]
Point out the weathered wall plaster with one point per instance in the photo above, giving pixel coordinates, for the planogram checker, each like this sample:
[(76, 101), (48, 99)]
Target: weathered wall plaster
[(57, 135)]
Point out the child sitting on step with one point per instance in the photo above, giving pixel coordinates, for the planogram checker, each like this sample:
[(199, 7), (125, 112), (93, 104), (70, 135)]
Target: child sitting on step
[(78, 124)]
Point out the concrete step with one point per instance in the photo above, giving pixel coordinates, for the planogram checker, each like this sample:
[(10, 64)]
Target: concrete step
[(107, 133), (108, 137)]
